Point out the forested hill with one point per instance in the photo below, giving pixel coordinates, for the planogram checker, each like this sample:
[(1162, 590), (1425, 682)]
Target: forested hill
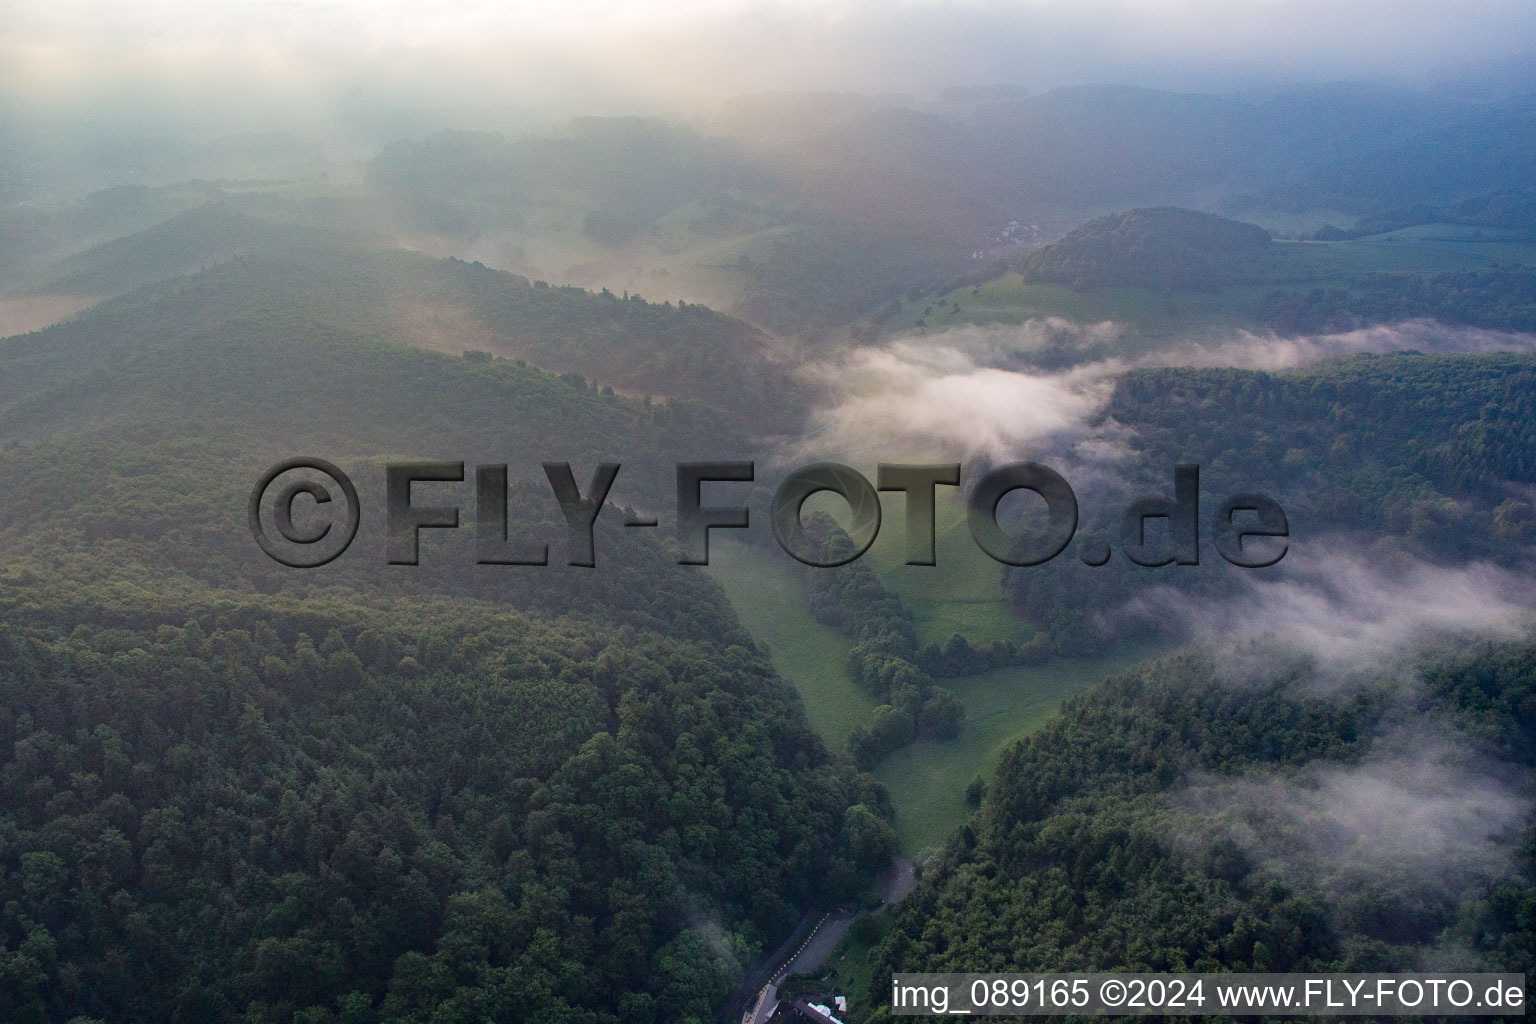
[(1492, 150), (682, 351), (1183, 817), (190, 241), (252, 376), (234, 791), (1162, 247), (131, 437)]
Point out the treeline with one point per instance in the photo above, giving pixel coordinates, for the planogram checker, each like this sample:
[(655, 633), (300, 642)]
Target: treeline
[(1497, 299), (229, 364), (1378, 442), (1121, 836), (89, 519), (888, 660), (684, 350), (680, 351), (884, 659)]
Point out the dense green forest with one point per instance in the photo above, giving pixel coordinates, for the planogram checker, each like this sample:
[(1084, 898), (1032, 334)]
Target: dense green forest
[(256, 377), (236, 791), (1411, 451), (1381, 443), (681, 351), (1120, 835), (326, 812)]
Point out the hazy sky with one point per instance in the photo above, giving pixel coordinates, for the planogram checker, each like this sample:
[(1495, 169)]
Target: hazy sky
[(570, 53)]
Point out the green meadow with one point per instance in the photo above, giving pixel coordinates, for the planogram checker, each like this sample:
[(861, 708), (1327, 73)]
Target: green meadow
[(770, 602), (962, 593), (926, 780)]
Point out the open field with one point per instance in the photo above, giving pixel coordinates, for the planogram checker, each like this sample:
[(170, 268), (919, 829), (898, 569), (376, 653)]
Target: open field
[(962, 594), (762, 587), (926, 780)]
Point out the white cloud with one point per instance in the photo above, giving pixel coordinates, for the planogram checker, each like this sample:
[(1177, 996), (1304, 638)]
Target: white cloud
[(981, 390), (1421, 809), (1349, 614), (1269, 351), (941, 398)]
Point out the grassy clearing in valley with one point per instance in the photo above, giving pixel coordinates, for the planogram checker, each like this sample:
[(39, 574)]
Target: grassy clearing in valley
[(927, 780), (962, 594), (770, 602)]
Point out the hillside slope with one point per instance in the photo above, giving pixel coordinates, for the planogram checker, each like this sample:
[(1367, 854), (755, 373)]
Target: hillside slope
[(239, 791), (452, 306)]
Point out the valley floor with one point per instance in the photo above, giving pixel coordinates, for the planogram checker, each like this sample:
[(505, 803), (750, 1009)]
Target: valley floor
[(926, 780)]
